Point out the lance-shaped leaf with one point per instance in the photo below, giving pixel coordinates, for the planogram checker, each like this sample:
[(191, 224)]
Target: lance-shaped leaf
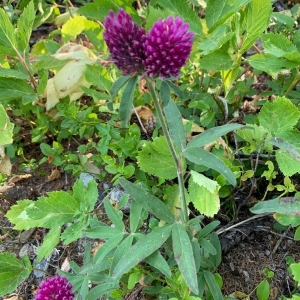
[(117, 85), (213, 285), (7, 35)]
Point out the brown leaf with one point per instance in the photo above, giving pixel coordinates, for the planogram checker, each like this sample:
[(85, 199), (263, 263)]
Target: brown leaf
[(55, 174)]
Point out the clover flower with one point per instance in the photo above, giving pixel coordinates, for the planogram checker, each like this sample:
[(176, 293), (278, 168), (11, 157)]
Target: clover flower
[(55, 288), (167, 47), (125, 41)]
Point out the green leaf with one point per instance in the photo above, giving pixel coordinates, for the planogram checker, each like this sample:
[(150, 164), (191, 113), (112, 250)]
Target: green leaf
[(73, 27), (113, 215), (295, 269), (8, 43), (100, 289), (127, 101), (297, 234), (101, 232), (183, 9), (155, 158), (74, 231), (157, 261), (212, 134), (165, 93), (213, 285), (263, 290), (141, 249), (287, 205), (204, 194), (134, 278), (208, 229), (12, 272), (183, 254), (217, 12), (217, 60), (154, 14), (216, 39), (135, 216), (99, 76), (287, 164), (215, 259), (279, 115), (147, 201), (286, 147), (49, 242), (204, 158), (206, 245), (117, 85), (256, 20), (15, 89), (287, 220), (13, 73), (176, 127), (6, 128), (25, 25)]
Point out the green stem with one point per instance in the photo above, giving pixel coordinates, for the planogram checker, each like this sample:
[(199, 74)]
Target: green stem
[(178, 159), (293, 84)]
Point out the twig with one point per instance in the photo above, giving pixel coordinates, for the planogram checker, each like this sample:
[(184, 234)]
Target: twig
[(280, 240)]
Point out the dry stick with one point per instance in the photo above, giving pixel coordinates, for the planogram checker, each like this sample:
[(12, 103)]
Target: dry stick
[(139, 119), (280, 240)]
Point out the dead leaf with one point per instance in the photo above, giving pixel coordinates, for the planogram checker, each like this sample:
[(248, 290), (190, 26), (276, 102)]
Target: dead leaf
[(5, 166), (55, 174), (65, 266), (4, 236), (17, 178), (13, 297)]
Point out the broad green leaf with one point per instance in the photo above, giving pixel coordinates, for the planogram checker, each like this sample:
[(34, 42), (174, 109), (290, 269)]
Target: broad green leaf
[(287, 220), (57, 209), (204, 194), (113, 215), (279, 115), (127, 100), (107, 247), (73, 27), (206, 245), (16, 89), (183, 9), (176, 127), (216, 39), (217, 12), (217, 60), (183, 254), (295, 269), (287, 205), (288, 165), (263, 290), (25, 25), (271, 64), (49, 242), (141, 249), (213, 285), (204, 158), (98, 76), (6, 128), (8, 43), (212, 134), (155, 158), (297, 234), (14, 74), (12, 272), (286, 147), (147, 201), (256, 20), (157, 261), (74, 231)]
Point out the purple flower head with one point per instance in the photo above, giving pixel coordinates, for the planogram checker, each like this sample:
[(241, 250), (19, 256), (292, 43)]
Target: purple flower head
[(167, 47), (55, 288), (125, 41)]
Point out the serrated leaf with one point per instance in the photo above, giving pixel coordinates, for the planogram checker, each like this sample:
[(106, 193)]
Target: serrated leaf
[(98, 76), (12, 272), (16, 89), (127, 100), (176, 127), (73, 27), (204, 194), (8, 43), (256, 20), (287, 147), (204, 158), (6, 128), (147, 201), (25, 25), (155, 158), (286, 163), (57, 209), (74, 231), (183, 9), (217, 60), (183, 254), (212, 134), (217, 12), (49, 242), (155, 14), (13, 73), (279, 115), (141, 249), (287, 205)]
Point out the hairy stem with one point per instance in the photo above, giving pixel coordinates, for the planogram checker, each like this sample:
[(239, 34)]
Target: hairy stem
[(178, 159)]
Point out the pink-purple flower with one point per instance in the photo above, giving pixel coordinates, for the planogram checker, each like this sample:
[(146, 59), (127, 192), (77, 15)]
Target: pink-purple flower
[(160, 53), (55, 288), (125, 41)]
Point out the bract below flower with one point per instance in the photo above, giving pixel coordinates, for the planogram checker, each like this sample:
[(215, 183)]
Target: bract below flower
[(167, 47), (55, 288), (125, 41)]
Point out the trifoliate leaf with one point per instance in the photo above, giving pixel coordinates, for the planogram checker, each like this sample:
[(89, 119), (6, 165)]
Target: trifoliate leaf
[(279, 115), (12, 272), (155, 158), (204, 194)]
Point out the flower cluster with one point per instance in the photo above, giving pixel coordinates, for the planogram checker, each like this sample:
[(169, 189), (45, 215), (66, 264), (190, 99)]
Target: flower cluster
[(55, 288), (159, 53)]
